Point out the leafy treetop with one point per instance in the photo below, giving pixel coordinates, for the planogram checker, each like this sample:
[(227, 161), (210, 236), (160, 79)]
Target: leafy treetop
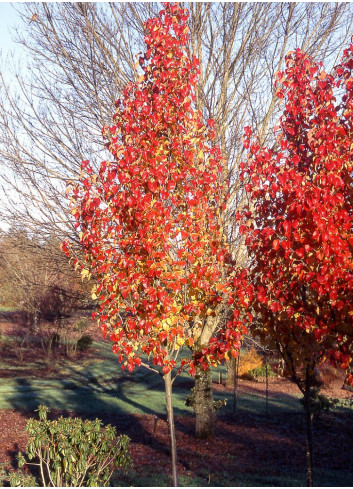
[(150, 219), (298, 224)]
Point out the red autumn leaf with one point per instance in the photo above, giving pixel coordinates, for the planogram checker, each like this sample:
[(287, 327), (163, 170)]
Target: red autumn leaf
[(152, 186), (124, 293), (248, 187)]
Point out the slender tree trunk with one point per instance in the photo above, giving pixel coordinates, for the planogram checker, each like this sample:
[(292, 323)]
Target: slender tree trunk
[(309, 432), (235, 389), (204, 403), (169, 404), (266, 363)]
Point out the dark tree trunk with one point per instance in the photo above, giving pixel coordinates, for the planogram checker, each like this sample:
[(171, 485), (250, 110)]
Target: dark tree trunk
[(204, 403), (309, 432), (170, 412), (235, 389), (231, 368), (232, 379)]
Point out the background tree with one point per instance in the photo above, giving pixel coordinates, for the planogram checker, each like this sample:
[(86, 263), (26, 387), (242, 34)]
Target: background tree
[(37, 280), (70, 83), (299, 220)]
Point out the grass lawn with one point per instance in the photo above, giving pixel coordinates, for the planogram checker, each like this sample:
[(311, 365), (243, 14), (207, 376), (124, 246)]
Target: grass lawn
[(7, 309), (101, 386)]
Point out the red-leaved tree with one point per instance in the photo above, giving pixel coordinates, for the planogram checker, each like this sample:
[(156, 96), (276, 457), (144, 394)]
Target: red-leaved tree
[(150, 223), (298, 224)]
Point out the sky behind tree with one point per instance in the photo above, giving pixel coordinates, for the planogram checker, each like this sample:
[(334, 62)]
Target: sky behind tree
[(9, 18)]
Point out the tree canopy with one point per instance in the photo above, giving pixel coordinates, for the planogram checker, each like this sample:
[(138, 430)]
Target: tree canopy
[(149, 220)]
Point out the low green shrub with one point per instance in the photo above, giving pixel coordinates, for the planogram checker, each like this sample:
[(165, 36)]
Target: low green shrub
[(319, 402), (72, 452), (260, 372), (84, 342), (16, 478)]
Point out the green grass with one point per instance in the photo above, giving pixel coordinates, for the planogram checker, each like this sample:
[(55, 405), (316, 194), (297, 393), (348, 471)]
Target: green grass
[(95, 386), (7, 309), (91, 387), (101, 386)]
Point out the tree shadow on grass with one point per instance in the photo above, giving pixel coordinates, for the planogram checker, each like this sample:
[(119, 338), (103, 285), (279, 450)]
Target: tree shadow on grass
[(113, 398), (10, 315), (86, 396)]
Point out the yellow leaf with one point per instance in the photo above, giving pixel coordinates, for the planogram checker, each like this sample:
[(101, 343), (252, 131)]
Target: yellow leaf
[(85, 273)]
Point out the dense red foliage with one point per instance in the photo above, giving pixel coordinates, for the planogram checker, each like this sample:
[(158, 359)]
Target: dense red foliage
[(150, 220), (298, 224)]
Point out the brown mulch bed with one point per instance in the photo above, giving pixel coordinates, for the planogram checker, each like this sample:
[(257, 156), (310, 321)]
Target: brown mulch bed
[(246, 443)]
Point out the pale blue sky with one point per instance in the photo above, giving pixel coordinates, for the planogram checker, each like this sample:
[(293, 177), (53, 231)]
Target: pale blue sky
[(8, 19)]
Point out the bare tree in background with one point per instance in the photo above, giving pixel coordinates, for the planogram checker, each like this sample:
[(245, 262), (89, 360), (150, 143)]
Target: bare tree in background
[(79, 58), (36, 279), (80, 55)]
